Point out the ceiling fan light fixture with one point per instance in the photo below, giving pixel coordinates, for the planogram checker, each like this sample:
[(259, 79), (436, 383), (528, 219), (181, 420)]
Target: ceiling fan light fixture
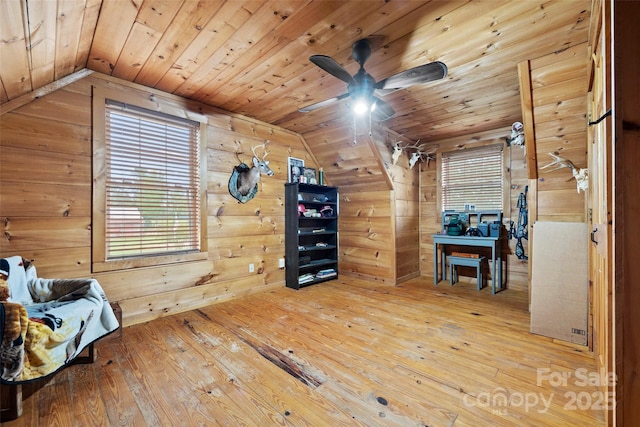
[(362, 106)]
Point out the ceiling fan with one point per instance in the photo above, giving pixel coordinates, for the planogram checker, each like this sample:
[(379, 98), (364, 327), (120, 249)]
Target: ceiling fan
[(361, 87)]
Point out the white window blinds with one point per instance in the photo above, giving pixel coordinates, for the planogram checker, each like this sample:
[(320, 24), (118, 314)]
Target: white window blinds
[(152, 183), (474, 177)]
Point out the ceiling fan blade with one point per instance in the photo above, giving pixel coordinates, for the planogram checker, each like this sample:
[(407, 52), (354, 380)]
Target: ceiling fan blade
[(413, 76), (332, 67), (383, 111), (322, 103)]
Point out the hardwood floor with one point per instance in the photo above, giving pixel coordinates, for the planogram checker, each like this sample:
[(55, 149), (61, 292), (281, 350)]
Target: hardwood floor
[(344, 352)]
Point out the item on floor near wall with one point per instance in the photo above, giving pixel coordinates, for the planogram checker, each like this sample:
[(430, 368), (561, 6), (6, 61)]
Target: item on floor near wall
[(560, 281), (295, 168), (243, 183), (581, 175), (517, 135), (522, 231), (466, 261)]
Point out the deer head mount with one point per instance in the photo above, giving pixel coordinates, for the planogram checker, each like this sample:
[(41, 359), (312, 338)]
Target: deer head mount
[(581, 175), (243, 184)]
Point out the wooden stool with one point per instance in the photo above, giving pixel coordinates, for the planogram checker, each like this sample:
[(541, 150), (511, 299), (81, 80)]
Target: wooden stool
[(454, 261)]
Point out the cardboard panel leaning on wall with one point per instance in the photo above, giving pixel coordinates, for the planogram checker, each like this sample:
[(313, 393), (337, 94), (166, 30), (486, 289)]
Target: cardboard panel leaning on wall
[(559, 282)]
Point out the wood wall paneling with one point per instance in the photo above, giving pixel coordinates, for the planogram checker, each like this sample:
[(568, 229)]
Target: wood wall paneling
[(46, 203), (558, 93), (367, 245), (16, 78)]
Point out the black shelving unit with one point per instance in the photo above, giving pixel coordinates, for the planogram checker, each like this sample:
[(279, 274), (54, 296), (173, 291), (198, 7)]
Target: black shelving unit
[(311, 234)]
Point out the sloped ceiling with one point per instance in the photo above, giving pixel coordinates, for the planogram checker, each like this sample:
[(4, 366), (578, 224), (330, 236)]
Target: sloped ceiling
[(251, 57)]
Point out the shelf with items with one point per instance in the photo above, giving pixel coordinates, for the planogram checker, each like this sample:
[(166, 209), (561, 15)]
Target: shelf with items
[(311, 234)]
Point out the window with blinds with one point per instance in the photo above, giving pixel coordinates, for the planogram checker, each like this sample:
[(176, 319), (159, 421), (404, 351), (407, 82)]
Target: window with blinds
[(152, 192), (473, 177)]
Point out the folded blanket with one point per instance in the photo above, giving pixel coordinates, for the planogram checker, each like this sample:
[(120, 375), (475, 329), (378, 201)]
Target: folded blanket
[(64, 317)]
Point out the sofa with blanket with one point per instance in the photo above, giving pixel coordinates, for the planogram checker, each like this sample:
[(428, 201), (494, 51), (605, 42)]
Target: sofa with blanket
[(46, 323)]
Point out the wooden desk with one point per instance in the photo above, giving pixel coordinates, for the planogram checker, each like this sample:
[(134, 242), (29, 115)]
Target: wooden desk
[(495, 243)]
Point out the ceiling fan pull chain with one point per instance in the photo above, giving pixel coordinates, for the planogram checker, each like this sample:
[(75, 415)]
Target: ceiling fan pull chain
[(370, 122), (354, 130)]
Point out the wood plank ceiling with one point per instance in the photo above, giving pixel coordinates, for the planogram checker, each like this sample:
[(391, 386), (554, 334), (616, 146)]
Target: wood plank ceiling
[(251, 57)]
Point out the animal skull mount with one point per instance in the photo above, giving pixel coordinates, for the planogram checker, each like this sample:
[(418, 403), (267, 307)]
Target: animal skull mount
[(517, 135), (581, 175), (397, 151), (243, 184), (414, 159), (415, 156), (419, 155)]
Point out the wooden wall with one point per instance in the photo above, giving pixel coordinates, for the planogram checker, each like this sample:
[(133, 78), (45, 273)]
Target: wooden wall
[(366, 224), (45, 203), (559, 98), (405, 197), (367, 244), (406, 202), (379, 214)]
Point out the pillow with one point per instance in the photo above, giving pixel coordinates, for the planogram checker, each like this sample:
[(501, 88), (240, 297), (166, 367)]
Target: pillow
[(17, 281)]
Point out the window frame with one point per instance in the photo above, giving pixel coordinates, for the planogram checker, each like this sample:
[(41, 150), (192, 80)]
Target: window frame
[(153, 102)]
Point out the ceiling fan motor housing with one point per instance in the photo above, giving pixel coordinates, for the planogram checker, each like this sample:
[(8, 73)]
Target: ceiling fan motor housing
[(361, 51), (362, 91)]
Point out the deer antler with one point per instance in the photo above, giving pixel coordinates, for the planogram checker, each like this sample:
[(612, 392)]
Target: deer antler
[(416, 145), (264, 148), (559, 163), (581, 175)]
